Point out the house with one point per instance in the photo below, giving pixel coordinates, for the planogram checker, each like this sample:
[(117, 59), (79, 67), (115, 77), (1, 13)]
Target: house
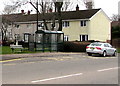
[(88, 25), (80, 25)]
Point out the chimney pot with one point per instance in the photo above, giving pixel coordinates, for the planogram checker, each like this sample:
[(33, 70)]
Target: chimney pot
[(77, 8), (50, 10), (22, 11), (28, 12)]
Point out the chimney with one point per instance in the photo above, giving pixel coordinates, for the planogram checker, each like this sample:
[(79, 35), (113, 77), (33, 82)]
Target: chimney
[(28, 12), (22, 11), (77, 8), (50, 10)]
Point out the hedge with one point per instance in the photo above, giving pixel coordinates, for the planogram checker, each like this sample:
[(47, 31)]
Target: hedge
[(73, 46)]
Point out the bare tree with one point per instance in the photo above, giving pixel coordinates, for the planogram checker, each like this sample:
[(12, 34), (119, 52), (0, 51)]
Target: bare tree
[(58, 6), (4, 28), (89, 4), (9, 9), (66, 5), (13, 6), (115, 17), (43, 7)]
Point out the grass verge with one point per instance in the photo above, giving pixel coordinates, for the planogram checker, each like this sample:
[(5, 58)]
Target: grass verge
[(118, 50), (7, 50)]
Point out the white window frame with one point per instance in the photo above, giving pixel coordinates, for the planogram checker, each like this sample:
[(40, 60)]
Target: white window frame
[(83, 23), (66, 38), (66, 23), (26, 37), (81, 37)]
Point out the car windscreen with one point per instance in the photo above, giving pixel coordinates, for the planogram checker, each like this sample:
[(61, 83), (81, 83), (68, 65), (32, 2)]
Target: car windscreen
[(95, 44)]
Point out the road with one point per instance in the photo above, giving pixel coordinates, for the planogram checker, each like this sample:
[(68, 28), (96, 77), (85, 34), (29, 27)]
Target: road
[(68, 69)]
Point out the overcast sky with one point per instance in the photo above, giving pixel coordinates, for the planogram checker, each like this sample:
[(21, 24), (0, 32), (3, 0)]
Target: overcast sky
[(110, 7)]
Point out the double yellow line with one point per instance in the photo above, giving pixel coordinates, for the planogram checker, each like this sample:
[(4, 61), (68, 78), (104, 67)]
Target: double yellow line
[(9, 60)]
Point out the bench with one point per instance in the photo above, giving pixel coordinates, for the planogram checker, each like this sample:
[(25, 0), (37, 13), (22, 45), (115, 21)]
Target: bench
[(13, 47)]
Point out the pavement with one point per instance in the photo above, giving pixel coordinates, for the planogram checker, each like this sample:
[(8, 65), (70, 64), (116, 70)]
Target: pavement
[(46, 54)]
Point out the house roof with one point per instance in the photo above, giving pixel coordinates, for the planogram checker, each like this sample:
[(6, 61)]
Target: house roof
[(68, 15)]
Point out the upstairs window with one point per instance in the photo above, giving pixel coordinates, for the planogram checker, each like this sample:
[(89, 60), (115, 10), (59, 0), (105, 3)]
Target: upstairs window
[(82, 23), (17, 26), (66, 24)]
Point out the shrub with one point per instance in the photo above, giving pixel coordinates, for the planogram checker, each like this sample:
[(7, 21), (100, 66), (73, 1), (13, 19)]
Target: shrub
[(75, 46), (7, 43)]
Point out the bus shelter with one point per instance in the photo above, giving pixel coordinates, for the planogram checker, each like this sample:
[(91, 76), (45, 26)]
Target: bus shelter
[(49, 40)]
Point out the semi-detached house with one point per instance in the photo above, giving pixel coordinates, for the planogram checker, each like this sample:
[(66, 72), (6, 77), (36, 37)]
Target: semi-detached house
[(80, 25)]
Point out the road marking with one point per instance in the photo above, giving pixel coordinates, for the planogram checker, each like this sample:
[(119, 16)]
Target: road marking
[(10, 60), (60, 77), (9, 64), (101, 57), (107, 69)]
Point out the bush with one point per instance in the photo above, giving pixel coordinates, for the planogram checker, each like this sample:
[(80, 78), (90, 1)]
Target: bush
[(7, 43), (116, 32), (75, 46)]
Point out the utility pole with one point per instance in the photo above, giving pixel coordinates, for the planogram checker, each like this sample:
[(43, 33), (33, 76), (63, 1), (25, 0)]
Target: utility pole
[(37, 13)]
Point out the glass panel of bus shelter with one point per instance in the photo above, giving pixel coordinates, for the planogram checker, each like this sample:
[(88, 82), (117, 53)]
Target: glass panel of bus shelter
[(39, 38)]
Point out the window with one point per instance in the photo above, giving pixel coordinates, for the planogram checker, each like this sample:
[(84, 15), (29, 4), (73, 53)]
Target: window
[(41, 25), (96, 44), (83, 37), (17, 26), (65, 24), (17, 36), (66, 38), (26, 37), (107, 45), (83, 23)]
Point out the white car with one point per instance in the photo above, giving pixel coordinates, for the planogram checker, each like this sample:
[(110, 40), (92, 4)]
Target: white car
[(100, 48)]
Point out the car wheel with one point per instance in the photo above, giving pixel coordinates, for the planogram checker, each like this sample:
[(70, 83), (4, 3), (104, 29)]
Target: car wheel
[(104, 54), (115, 53), (89, 54)]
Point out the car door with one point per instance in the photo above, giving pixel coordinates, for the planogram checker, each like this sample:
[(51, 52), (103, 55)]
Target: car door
[(111, 49), (108, 49)]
